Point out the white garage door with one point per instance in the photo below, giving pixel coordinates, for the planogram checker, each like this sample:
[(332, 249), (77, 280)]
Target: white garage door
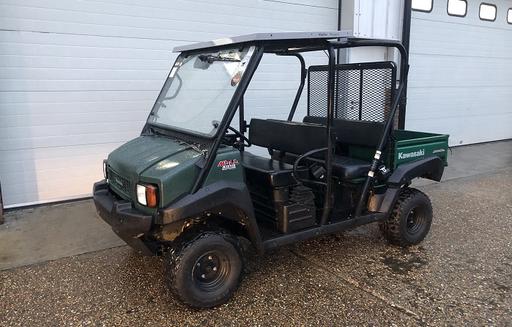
[(77, 78), (461, 73)]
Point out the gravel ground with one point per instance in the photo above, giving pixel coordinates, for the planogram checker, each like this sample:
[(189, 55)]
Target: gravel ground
[(460, 275)]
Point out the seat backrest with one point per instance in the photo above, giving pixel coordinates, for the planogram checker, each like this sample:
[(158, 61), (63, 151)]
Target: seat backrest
[(286, 136), (352, 132)]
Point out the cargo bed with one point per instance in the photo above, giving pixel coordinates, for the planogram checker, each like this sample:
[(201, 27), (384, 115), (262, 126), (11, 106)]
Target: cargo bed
[(411, 145), (406, 146)]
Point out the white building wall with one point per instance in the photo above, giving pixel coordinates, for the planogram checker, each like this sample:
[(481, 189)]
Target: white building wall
[(460, 81), (78, 78)]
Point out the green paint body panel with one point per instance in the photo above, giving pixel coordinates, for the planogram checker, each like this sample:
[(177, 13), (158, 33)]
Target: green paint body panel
[(412, 145), (406, 146), (227, 167), (170, 165), (162, 161)]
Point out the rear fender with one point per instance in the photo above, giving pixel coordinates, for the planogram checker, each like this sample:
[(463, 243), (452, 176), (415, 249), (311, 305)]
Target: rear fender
[(430, 168), (229, 200)]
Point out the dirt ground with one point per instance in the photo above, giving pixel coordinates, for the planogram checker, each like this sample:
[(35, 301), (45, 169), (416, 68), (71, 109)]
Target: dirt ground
[(460, 275)]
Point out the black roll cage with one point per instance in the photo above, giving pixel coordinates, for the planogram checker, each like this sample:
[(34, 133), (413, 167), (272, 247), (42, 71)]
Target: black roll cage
[(294, 48)]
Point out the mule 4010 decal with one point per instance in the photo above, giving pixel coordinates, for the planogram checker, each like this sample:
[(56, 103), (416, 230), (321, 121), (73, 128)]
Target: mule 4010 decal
[(228, 164)]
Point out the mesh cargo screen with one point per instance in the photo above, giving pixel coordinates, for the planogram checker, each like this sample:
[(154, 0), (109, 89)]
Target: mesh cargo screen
[(363, 91)]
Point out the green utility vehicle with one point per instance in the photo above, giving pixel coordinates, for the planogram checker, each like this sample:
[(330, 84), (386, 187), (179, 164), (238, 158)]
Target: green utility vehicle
[(201, 177)]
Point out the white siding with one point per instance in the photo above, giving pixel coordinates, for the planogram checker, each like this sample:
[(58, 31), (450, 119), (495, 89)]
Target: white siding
[(460, 80), (77, 78)]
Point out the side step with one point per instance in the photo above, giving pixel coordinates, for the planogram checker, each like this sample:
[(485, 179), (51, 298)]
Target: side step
[(322, 230)]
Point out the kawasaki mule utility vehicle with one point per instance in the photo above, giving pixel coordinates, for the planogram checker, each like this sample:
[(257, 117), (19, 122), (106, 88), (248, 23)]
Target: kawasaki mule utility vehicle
[(192, 185)]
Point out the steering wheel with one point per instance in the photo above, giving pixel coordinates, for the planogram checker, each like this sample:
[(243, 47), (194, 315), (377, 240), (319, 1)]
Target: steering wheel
[(302, 157), (241, 136)]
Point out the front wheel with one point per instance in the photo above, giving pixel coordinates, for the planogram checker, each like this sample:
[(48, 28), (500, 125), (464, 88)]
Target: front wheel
[(204, 269), (410, 220)]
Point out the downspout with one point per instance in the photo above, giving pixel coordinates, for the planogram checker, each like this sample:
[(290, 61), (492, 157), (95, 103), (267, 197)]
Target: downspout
[(338, 62), (1, 207), (406, 36)]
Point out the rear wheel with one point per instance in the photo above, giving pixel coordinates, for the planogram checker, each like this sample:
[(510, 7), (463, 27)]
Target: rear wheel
[(203, 270), (410, 220)]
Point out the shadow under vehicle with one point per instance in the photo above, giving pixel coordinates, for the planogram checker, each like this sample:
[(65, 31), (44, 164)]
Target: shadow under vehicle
[(190, 188)]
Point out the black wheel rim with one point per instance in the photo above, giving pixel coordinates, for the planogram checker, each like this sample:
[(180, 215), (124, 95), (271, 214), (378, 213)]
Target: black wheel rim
[(211, 270), (415, 220)]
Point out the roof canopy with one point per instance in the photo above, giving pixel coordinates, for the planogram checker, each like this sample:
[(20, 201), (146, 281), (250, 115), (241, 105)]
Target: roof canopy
[(284, 38)]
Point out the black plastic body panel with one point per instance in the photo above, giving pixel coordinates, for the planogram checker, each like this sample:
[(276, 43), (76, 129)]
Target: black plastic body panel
[(128, 223), (322, 230), (430, 168), (231, 200)]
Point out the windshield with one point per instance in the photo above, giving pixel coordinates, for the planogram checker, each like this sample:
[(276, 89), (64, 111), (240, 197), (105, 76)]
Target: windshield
[(199, 88)]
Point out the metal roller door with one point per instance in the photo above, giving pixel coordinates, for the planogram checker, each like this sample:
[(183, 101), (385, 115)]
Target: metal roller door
[(460, 80), (77, 78)]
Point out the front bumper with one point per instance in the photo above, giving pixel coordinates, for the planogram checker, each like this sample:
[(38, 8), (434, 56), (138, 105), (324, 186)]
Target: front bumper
[(128, 223)]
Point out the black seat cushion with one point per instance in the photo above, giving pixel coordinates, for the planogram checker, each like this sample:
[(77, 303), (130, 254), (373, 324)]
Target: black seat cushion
[(278, 174), (350, 168), (343, 167)]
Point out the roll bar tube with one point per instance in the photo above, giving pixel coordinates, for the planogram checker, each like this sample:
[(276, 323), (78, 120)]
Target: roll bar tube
[(404, 70), (378, 152), (330, 114), (303, 75), (404, 58), (228, 116)]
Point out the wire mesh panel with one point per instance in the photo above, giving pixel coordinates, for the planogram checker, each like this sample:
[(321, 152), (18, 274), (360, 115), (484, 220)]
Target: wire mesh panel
[(317, 92), (363, 91)]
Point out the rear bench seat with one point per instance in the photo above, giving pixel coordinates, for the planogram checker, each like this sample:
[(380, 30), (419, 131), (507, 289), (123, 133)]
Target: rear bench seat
[(352, 132), (288, 140)]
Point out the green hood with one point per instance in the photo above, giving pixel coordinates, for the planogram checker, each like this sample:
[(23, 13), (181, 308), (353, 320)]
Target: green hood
[(157, 160), (133, 158)]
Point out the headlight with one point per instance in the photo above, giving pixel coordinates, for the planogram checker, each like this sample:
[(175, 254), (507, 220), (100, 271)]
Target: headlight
[(147, 195)]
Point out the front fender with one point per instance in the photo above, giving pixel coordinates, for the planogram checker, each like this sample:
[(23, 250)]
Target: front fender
[(230, 200)]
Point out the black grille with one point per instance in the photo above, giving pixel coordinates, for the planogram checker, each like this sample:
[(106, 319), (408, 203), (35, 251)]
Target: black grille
[(363, 91), (118, 182)]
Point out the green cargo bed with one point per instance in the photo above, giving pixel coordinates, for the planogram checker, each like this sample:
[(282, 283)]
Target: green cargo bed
[(406, 146), (411, 145)]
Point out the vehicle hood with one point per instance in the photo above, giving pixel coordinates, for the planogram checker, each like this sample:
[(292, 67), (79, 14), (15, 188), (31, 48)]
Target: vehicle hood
[(133, 158)]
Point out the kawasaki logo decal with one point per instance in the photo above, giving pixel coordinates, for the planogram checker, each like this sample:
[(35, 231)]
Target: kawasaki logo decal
[(228, 164), (414, 154)]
